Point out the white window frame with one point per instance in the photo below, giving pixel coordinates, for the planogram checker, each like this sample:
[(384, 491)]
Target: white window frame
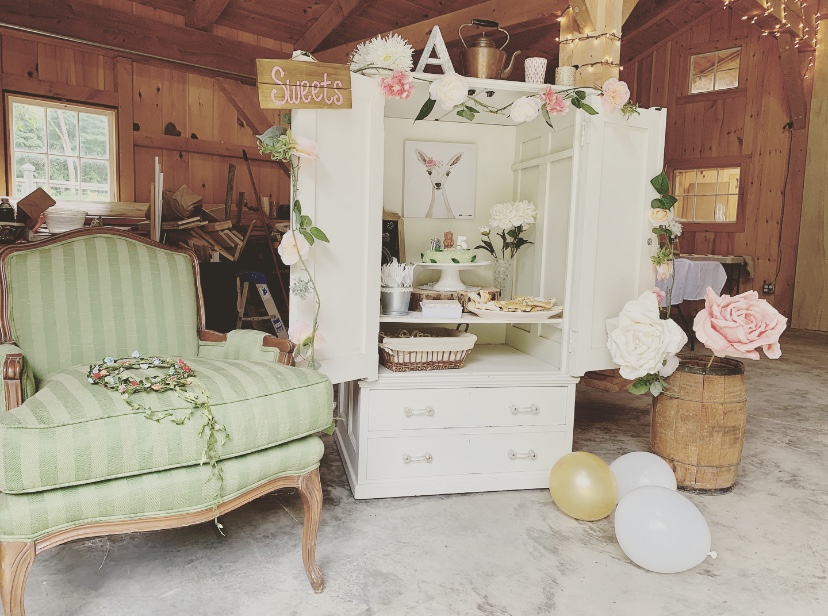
[(108, 113)]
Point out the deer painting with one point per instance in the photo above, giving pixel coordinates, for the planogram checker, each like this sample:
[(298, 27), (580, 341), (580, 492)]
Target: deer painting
[(438, 172)]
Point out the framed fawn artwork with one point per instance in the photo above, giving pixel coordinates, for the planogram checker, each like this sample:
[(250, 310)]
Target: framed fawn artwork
[(440, 179)]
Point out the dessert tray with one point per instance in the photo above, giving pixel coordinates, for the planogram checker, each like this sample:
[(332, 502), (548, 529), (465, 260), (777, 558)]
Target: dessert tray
[(518, 309)]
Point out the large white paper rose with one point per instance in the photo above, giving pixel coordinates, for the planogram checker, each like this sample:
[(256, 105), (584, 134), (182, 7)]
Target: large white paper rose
[(450, 90), (642, 342), (525, 109), (291, 246)]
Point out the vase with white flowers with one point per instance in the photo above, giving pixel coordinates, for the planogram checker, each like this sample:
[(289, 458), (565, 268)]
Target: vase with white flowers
[(296, 243), (508, 221)]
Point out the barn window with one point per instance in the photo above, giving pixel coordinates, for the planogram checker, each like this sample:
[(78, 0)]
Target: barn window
[(707, 195), (717, 70), (66, 149)]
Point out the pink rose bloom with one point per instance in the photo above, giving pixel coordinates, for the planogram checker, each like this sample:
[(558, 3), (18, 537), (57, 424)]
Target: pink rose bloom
[(555, 103), (659, 295), (431, 163), (615, 94), (398, 85), (736, 326), (663, 270)]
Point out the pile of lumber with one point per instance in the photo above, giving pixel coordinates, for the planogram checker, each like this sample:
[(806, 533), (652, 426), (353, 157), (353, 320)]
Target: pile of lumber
[(205, 238), (209, 237)]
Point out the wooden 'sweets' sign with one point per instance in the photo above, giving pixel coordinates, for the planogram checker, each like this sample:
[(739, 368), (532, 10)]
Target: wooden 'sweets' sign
[(290, 84)]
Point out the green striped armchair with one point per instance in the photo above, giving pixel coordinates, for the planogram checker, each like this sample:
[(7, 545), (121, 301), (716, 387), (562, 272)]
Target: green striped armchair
[(77, 461)]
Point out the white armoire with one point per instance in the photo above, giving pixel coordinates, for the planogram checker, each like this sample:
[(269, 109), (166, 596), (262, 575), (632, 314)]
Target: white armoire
[(501, 421)]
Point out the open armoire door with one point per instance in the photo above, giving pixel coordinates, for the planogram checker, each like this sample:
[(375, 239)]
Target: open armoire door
[(342, 193), (610, 259)]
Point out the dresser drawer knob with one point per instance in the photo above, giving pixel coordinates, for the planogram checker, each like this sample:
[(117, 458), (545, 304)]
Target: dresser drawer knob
[(532, 409), (427, 411), (514, 455), (426, 457)]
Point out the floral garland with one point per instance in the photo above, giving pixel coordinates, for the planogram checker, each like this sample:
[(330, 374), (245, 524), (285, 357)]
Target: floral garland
[(663, 219), (296, 243), (645, 340), (112, 374), (394, 55)]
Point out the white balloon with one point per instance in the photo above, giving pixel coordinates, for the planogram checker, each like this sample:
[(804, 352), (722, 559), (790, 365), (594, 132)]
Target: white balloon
[(661, 530), (641, 468)]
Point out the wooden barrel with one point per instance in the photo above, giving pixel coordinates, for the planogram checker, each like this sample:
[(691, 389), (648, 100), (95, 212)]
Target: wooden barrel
[(698, 425)]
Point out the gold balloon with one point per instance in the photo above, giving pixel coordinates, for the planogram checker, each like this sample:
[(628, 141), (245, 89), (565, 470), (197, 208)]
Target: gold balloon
[(583, 486)]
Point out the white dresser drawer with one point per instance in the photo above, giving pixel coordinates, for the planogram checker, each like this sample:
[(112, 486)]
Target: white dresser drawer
[(464, 454), (424, 409)]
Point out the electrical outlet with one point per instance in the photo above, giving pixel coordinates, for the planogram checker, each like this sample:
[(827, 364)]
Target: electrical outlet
[(768, 288)]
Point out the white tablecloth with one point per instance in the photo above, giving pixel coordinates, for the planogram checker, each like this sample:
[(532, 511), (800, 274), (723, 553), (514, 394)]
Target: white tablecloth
[(692, 280)]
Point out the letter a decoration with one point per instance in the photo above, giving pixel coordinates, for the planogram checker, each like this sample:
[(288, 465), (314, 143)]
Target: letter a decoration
[(291, 84), (435, 43)]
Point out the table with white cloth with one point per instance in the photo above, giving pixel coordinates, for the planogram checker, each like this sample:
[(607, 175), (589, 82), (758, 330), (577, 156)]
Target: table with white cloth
[(692, 279)]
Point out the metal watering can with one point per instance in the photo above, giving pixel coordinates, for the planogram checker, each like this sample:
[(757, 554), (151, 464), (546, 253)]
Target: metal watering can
[(481, 57)]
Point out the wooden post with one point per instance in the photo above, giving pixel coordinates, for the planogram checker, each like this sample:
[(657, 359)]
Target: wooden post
[(228, 196), (810, 309), (596, 51), (5, 189)]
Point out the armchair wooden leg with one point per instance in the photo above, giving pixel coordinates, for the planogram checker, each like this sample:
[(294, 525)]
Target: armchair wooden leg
[(310, 488), (15, 562)]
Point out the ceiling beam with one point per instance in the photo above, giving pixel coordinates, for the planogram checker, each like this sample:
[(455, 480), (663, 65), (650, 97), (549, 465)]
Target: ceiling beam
[(793, 79), (627, 8), (659, 12), (204, 13), (507, 13), (126, 32), (335, 14)]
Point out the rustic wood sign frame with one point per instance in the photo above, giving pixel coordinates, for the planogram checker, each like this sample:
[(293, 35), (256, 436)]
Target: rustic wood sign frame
[(293, 84)]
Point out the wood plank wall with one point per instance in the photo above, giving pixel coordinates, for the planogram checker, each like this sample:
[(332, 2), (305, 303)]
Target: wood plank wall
[(147, 97), (746, 123)]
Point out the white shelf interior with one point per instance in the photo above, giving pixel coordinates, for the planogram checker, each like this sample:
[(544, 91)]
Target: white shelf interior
[(485, 361), (417, 317)]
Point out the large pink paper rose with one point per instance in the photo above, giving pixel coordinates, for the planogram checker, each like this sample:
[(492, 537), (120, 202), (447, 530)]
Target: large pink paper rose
[(737, 326)]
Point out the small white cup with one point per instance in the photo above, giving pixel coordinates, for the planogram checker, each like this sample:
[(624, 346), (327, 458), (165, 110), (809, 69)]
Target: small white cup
[(535, 70), (565, 76)]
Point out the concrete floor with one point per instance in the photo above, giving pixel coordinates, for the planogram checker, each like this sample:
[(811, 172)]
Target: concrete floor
[(502, 553)]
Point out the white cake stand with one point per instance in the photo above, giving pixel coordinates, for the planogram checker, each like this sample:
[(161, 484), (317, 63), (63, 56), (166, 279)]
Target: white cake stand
[(450, 275)]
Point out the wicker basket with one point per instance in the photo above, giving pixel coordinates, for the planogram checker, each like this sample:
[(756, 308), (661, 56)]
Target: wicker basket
[(424, 348)]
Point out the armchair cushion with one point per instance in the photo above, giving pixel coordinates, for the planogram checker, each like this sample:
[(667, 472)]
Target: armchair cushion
[(27, 517), (71, 433)]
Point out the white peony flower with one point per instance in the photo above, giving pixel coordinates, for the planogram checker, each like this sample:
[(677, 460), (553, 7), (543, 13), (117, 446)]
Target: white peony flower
[(391, 52), (659, 217), (513, 214), (291, 246), (525, 109), (642, 342), (450, 90)]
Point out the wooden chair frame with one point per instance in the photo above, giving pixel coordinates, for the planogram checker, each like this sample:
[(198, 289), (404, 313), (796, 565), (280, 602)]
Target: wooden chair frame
[(16, 558)]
